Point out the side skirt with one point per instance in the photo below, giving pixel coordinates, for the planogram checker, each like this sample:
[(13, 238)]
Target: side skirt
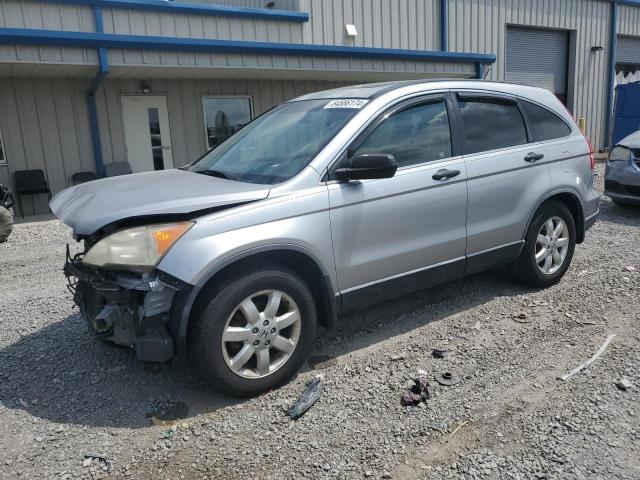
[(404, 284)]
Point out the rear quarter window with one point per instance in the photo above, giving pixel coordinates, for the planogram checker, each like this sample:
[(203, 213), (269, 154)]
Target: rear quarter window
[(544, 124), (491, 124)]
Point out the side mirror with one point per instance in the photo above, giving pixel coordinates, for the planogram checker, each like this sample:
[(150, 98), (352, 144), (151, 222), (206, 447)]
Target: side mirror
[(368, 166)]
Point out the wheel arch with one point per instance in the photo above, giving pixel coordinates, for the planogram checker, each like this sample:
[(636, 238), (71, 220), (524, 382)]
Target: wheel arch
[(298, 259), (572, 201)]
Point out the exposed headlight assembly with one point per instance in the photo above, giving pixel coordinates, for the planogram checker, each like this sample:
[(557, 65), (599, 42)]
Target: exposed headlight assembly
[(139, 247)]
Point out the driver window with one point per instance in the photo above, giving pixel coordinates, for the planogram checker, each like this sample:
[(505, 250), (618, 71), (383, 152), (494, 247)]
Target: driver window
[(414, 135)]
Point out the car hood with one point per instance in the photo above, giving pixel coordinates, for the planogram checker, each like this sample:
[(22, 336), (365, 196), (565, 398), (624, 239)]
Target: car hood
[(631, 141), (90, 206)]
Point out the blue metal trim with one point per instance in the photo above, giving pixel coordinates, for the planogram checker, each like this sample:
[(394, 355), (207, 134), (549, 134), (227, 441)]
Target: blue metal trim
[(103, 40), (633, 3), (103, 71), (194, 9), (480, 70), (444, 25), (613, 41)]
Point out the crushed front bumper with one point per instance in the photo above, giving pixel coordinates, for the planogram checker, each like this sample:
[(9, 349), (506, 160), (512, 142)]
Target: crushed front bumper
[(129, 309)]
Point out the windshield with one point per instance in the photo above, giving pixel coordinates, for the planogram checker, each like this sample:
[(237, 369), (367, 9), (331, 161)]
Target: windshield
[(279, 144)]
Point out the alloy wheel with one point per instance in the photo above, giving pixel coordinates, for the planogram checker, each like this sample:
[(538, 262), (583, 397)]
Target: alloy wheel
[(261, 334), (552, 245)]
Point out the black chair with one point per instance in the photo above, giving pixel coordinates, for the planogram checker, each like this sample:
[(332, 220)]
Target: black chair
[(82, 177), (29, 182)]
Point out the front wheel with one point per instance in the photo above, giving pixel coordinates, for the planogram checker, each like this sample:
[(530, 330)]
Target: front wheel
[(6, 223), (254, 333), (549, 246)]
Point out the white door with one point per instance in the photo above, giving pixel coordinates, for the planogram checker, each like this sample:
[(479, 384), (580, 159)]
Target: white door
[(146, 132)]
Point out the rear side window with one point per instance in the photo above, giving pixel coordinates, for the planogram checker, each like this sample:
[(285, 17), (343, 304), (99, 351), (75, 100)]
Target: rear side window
[(544, 125), (491, 124), (414, 135)]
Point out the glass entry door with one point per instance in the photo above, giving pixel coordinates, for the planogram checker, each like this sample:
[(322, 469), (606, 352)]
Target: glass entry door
[(146, 131)]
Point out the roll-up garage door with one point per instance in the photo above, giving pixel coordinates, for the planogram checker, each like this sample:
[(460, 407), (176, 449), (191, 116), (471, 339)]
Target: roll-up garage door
[(628, 50), (538, 57)]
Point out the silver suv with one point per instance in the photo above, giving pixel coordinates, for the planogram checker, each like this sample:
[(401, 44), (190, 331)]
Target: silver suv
[(329, 202)]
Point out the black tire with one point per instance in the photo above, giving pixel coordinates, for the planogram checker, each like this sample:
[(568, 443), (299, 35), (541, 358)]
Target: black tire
[(6, 223), (525, 267), (210, 318)]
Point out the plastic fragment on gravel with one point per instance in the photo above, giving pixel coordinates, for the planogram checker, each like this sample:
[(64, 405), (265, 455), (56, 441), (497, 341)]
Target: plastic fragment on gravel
[(447, 379), (624, 384), (417, 394), (307, 399), (591, 360), (103, 458)]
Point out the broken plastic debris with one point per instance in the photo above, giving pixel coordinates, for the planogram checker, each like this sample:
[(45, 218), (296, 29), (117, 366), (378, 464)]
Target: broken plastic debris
[(307, 399), (591, 360), (447, 379), (630, 268), (102, 458), (623, 384), (418, 393), (521, 318), (439, 352)]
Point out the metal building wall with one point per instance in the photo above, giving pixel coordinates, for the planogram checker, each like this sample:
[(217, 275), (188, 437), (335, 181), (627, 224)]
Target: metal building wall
[(53, 16), (45, 125), (278, 4), (413, 24), (628, 20), (480, 26)]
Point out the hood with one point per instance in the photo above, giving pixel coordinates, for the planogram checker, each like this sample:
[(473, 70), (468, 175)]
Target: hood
[(92, 205), (631, 141)]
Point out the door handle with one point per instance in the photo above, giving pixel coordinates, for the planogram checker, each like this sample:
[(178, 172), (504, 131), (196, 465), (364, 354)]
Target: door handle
[(166, 147), (445, 173), (533, 157)]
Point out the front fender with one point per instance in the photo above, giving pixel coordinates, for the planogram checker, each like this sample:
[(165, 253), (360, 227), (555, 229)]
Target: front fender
[(185, 305)]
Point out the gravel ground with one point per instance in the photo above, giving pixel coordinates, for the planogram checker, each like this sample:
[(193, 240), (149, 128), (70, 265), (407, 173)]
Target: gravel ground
[(63, 394)]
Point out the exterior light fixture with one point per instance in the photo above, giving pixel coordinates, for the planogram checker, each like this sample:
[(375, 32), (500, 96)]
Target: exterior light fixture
[(352, 31)]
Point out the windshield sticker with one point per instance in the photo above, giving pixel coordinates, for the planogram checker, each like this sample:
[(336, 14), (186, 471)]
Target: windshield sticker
[(346, 103)]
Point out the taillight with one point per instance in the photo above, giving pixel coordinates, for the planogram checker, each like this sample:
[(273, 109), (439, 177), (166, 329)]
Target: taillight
[(592, 159)]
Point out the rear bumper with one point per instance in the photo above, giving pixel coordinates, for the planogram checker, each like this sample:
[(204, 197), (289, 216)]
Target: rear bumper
[(591, 220), (128, 309)]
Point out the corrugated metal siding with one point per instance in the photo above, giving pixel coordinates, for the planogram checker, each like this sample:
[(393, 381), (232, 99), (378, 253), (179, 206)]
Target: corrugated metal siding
[(137, 22), (45, 125), (629, 20), (50, 16), (53, 16), (278, 4), (480, 26), (628, 50), (413, 24), (538, 57)]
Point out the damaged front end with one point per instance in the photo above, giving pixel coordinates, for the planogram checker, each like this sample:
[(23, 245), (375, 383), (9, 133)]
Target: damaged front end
[(128, 308)]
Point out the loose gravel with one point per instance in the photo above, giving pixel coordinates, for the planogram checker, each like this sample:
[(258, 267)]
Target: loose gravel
[(64, 394)]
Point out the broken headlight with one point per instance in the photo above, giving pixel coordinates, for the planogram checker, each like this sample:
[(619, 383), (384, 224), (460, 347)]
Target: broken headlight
[(138, 247)]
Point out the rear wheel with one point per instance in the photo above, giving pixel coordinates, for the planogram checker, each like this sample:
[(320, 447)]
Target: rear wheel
[(254, 333), (6, 223), (549, 246)]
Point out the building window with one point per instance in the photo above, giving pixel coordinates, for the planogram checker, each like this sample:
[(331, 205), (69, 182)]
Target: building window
[(224, 116), (3, 158)]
